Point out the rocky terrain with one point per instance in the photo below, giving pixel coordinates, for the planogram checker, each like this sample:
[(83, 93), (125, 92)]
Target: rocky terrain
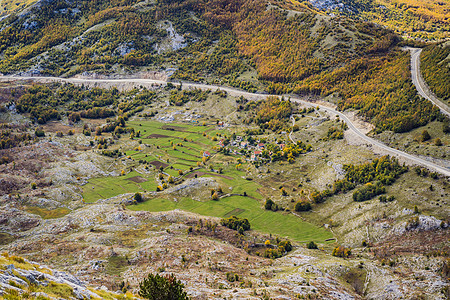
[(253, 149)]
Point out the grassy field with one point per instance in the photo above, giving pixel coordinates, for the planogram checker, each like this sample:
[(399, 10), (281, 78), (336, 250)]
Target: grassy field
[(107, 187), (159, 137), (278, 223)]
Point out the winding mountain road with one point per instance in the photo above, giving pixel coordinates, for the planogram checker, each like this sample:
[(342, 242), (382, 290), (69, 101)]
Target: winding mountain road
[(129, 83), (421, 85)]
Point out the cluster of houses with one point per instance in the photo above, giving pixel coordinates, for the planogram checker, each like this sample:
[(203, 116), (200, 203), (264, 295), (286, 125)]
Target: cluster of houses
[(255, 150)]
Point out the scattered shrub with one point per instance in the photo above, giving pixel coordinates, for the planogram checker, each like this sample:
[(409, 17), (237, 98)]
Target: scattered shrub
[(341, 252), (311, 245)]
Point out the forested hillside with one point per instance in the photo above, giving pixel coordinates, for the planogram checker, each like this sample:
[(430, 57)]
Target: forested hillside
[(435, 69), (425, 19), (219, 41), (381, 88), (9, 6), (68, 38)]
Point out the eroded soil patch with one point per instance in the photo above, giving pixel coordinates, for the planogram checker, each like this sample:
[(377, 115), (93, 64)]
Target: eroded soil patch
[(158, 164), (137, 179), (157, 136)]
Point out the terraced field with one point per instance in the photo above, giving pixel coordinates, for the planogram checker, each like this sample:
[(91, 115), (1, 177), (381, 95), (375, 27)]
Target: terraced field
[(158, 138), (278, 223), (107, 187), (158, 151)]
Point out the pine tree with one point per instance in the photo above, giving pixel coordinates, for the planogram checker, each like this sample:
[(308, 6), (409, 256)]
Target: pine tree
[(156, 287)]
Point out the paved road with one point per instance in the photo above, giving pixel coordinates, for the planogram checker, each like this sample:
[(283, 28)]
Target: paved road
[(235, 92), (421, 85)]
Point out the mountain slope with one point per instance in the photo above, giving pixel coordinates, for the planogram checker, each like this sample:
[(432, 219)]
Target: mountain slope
[(12, 6), (250, 44), (423, 19), (435, 67)]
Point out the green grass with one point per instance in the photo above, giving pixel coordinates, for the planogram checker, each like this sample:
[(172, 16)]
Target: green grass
[(183, 165), (187, 131), (48, 214), (141, 155), (278, 223), (116, 265), (58, 289), (107, 187), (185, 156)]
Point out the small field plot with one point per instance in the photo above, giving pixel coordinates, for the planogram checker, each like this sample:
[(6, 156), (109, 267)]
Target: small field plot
[(107, 187), (160, 134), (143, 156), (185, 156), (183, 166), (282, 224)]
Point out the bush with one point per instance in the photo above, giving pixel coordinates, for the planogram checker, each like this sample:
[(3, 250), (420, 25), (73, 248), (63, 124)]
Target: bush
[(287, 245), (138, 197), (74, 117), (341, 252), (368, 191), (235, 223), (215, 196), (303, 205), (39, 133), (232, 277), (157, 287), (270, 205), (425, 136), (311, 245)]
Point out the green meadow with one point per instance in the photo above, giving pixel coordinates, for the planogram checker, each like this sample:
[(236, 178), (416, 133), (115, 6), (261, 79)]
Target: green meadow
[(107, 187), (277, 223), (155, 134), (160, 136)]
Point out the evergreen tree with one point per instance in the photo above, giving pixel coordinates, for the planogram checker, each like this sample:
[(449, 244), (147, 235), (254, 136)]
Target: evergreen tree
[(156, 287)]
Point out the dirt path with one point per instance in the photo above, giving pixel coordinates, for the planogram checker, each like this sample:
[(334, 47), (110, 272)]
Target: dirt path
[(292, 130), (130, 83)]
